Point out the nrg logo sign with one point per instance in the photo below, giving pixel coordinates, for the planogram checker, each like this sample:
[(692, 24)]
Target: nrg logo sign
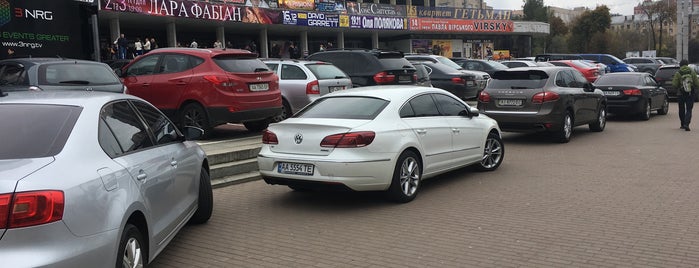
[(33, 14)]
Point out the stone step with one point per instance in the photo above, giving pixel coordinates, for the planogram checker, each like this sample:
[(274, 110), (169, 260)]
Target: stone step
[(233, 168), (235, 179), (219, 152)]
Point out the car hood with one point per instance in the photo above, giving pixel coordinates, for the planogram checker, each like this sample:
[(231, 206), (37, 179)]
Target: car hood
[(13, 170)]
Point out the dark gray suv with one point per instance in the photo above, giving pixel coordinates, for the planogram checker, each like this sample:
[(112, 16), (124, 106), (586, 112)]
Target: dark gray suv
[(371, 67), (46, 74)]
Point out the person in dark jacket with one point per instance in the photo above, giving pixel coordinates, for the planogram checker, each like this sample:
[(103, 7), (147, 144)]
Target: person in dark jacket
[(686, 83), (122, 43)]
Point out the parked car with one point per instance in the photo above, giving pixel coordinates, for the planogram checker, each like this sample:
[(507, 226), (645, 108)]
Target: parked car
[(615, 64), (433, 58), (302, 81), (463, 84), (423, 76), (48, 74), (487, 66), (543, 99), (386, 138), (370, 67), (645, 64), (664, 78), (557, 56), (524, 63), (94, 179), (481, 78), (634, 93), (589, 70), (117, 64), (206, 87)]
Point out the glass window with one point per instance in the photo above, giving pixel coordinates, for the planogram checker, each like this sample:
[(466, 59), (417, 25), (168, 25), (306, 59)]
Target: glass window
[(424, 106), (35, 130), (448, 105), (77, 74), (618, 80), (291, 72), (163, 130), (273, 67), (174, 63), (560, 79), (344, 108), (241, 63), (532, 79), (324, 71), (407, 111), (145, 66), (124, 124), (13, 74)]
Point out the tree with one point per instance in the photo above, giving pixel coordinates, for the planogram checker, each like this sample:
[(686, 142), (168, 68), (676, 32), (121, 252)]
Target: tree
[(586, 26), (534, 10), (659, 13)]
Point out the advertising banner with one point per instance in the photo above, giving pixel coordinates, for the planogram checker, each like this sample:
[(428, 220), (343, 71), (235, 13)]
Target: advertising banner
[(458, 13), (311, 19), (376, 23), (41, 29), (374, 9), (462, 26), (297, 4), (501, 55), (197, 10), (331, 6)]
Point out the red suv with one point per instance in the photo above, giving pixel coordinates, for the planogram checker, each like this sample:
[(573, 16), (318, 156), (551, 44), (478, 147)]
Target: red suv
[(206, 87)]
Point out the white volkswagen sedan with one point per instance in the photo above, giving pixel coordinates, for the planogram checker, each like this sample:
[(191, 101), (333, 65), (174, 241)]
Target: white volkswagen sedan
[(379, 138)]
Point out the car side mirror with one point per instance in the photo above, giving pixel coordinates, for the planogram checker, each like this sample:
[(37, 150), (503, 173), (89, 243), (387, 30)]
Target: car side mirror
[(118, 72), (588, 87), (193, 133), (469, 112)]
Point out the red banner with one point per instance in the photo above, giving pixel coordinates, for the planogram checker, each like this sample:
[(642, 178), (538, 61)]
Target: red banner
[(195, 9), (470, 26)]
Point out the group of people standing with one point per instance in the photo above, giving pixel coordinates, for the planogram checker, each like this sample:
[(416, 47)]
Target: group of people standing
[(124, 49)]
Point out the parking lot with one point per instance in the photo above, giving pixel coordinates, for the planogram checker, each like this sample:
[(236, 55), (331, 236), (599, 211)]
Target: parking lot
[(625, 197)]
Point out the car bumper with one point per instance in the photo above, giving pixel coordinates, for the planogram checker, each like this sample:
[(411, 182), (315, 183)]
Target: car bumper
[(373, 174), (53, 245), (632, 105), (222, 115), (527, 122)]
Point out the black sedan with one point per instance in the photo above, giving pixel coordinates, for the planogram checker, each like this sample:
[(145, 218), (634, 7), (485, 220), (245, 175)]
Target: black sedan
[(462, 83), (633, 94)]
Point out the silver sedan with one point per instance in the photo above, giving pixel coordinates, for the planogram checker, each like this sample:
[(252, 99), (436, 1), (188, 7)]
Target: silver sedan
[(94, 179)]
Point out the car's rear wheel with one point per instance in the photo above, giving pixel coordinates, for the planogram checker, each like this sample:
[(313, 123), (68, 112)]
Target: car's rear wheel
[(257, 126), (493, 153), (286, 112), (406, 178), (194, 115), (645, 114), (601, 121), (206, 200), (665, 108), (132, 251), (563, 134)]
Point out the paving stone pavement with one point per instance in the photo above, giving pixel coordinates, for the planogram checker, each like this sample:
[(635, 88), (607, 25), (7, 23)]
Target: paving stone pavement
[(625, 197)]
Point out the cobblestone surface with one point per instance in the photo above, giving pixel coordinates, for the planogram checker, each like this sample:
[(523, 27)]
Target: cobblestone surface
[(625, 197)]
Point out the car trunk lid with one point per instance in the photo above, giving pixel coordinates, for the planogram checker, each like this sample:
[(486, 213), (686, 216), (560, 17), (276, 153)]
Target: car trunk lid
[(301, 136), (511, 91)]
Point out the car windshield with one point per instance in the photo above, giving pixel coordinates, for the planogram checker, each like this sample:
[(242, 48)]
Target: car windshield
[(35, 130), (76, 74), (344, 108), (326, 71), (238, 64), (618, 80), (532, 79), (666, 73)]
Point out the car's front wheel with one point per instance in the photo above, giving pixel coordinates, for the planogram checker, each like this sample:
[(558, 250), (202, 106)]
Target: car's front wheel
[(205, 200), (132, 251), (601, 121), (406, 178), (493, 153), (665, 108)]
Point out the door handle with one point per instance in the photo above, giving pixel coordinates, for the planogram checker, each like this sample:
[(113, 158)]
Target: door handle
[(141, 175), (421, 131), (455, 130)]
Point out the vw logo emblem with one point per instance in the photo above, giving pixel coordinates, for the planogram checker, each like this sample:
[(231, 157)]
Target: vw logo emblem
[(259, 78), (298, 138)]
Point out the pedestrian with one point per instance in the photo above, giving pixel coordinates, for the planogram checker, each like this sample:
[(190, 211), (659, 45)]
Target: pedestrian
[(122, 44), (146, 46), (218, 44), (686, 83), (193, 44), (139, 46), (153, 44), (275, 51), (322, 47)]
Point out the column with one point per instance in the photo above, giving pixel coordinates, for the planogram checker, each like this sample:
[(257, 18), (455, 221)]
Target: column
[(114, 29), (171, 34), (374, 40), (221, 35), (393, 2), (340, 44), (408, 2), (263, 47), (96, 38), (304, 44)]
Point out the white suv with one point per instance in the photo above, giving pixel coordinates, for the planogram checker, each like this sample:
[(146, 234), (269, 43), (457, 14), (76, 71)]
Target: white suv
[(302, 81)]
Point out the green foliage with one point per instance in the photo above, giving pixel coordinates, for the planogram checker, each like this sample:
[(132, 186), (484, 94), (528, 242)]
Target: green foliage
[(534, 10), (586, 26)]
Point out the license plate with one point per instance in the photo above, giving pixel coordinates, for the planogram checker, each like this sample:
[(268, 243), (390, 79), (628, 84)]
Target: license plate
[(510, 102), (295, 168), (333, 89), (404, 78), (259, 87), (612, 93)]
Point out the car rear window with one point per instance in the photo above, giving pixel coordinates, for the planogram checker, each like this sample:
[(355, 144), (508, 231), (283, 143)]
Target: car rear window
[(35, 130), (666, 73), (324, 71), (240, 64), (392, 63), (618, 80), (344, 108), (518, 79), (76, 74)]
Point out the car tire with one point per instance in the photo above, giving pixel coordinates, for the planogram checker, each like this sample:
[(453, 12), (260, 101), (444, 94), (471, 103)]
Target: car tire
[(601, 122), (194, 115), (257, 126), (406, 178), (132, 251), (493, 153), (665, 108), (286, 112), (563, 134), (205, 200), (645, 114)]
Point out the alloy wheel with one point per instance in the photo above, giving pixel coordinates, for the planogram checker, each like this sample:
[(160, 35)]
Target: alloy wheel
[(492, 153), (409, 176), (567, 126), (133, 256)]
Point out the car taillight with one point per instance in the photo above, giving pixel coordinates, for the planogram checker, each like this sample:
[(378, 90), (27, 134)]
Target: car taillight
[(545, 96), (313, 87), (384, 78), (484, 97), (30, 208), (348, 140), (458, 80), (219, 80), (268, 137), (633, 92)]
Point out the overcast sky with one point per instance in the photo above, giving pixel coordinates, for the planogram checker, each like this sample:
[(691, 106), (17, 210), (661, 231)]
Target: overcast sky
[(623, 7)]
